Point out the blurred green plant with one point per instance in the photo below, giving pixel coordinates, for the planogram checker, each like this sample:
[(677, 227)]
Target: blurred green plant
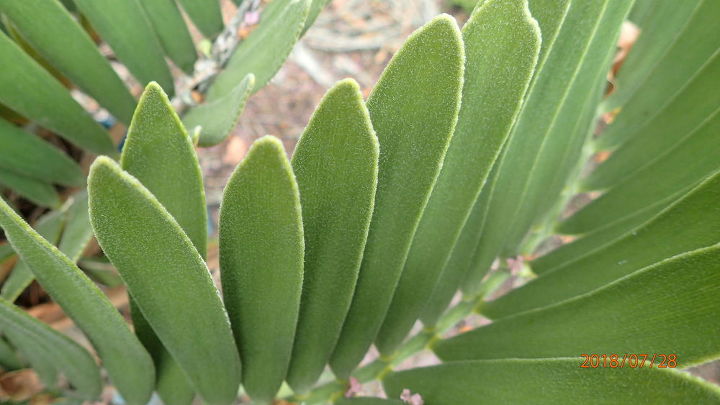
[(454, 177)]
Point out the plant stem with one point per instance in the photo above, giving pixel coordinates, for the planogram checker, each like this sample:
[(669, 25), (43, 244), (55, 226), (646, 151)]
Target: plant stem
[(423, 340)]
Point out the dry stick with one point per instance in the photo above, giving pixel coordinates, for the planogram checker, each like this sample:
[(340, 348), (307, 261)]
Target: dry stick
[(207, 68)]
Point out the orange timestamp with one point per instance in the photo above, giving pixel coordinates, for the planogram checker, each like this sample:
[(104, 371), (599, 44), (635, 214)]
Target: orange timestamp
[(629, 360)]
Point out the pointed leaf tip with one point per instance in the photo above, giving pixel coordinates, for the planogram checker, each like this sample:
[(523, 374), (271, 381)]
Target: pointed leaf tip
[(213, 121)]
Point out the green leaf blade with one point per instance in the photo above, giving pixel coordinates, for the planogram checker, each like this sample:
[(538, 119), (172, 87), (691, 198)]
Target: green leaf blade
[(414, 120), (495, 381), (205, 14), (172, 384), (460, 261), (77, 231), (335, 163), (502, 43), (172, 32), (679, 168), (644, 321), (49, 28), (27, 154), (215, 120), (195, 329), (126, 28), (674, 125), (546, 126), (261, 262), (159, 153), (597, 238), (36, 191), (696, 41), (127, 362), (49, 227), (32, 92), (690, 223), (9, 359), (662, 24), (71, 359), (550, 15)]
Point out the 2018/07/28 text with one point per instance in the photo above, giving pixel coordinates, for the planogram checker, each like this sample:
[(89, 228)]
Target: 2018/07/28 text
[(631, 360)]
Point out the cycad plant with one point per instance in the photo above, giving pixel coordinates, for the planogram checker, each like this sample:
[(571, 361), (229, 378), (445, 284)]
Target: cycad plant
[(454, 175)]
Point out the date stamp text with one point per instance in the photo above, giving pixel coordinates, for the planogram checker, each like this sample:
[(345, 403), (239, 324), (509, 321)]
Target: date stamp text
[(629, 360)]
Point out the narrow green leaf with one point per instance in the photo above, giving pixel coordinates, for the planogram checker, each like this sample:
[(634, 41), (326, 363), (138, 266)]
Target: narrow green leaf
[(172, 32), (186, 313), (127, 363), (74, 222), (100, 270), (691, 223), (32, 92), (663, 23), (642, 9), (548, 381), (663, 77), (414, 109), (261, 264), (216, 119), (636, 314), (70, 358), (550, 15), (546, 126), (39, 192), (49, 28), (694, 106), (280, 25), (77, 232), (569, 167), (336, 164), (172, 384), (6, 252), (502, 43), (27, 154), (600, 237), (49, 227), (460, 261), (679, 168), (45, 368), (9, 360), (126, 28), (16, 36), (578, 118), (158, 152), (205, 14)]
